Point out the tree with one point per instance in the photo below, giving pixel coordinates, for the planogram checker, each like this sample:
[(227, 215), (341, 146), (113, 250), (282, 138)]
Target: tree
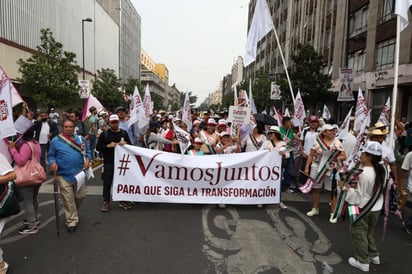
[(306, 75), (106, 88), (130, 84), (192, 98), (261, 92), (50, 74)]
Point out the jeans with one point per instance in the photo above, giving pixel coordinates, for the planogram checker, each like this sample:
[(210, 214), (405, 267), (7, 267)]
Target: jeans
[(107, 177), (92, 144), (286, 167), (30, 202)]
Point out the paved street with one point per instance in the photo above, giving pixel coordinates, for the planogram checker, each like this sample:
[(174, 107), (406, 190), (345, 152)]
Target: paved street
[(173, 238)]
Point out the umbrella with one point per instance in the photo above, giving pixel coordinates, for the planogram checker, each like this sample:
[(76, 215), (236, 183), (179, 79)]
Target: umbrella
[(265, 119), (56, 203)]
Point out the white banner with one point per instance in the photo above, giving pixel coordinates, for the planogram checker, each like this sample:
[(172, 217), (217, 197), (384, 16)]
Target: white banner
[(275, 93), (345, 85), (6, 108), (84, 91), (145, 175)]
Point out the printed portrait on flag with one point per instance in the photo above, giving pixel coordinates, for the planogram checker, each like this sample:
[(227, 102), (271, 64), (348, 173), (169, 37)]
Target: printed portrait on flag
[(345, 85), (84, 91), (275, 91)]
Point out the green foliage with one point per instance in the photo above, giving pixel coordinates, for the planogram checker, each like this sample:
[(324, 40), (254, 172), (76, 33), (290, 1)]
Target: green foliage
[(130, 84), (51, 74), (192, 98), (261, 92), (306, 75), (106, 89), (228, 100), (157, 101)]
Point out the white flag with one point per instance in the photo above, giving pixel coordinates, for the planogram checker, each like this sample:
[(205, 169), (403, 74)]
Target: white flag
[(6, 107), (326, 113), (402, 9), (278, 116), (251, 102), (261, 24), (287, 114), (137, 112), (360, 111), (360, 140), (15, 95), (344, 127), (385, 116), (235, 96), (299, 108), (187, 113), (91, 102), (183, 137), (147, 102)]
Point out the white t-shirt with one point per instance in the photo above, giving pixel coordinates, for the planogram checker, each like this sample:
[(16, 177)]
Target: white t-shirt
[(44, 132), (5, 167), (309, 140), (387, 154), (407, 165)]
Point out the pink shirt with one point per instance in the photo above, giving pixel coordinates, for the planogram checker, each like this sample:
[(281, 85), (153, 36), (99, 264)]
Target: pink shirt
[(24, 154)]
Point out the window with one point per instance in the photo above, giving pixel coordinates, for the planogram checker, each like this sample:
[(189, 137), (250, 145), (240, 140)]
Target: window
[(385, 54), (356, 61), (386, 13), (358, 21)]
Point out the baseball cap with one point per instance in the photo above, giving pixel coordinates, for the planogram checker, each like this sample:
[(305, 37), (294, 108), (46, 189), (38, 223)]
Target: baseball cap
[(313, 118), (113, 118), (211, 121), (196, 122), (222, 122), (198, 140), (224, 133), (120, 108), (373, 148), (327, 127)]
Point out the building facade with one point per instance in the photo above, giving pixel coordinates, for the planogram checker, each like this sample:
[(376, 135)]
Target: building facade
[(359, 35), (104, 44)]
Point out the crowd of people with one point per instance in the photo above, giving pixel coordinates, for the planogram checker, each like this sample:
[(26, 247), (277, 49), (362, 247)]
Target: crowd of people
[(311, 154)]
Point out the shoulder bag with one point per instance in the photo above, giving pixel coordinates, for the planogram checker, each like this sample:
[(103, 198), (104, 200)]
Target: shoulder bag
[(32, 173)]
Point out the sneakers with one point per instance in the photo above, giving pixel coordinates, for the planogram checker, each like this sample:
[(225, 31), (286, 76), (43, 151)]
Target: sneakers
[(355, 263), (125, 205), (105, 207), (313, 212), (259, 205), (333, 220), (222, 206), (290, 191), (27, 222), (282, 205), (4, 267), (28, 229), (409, 231), (375, 260)]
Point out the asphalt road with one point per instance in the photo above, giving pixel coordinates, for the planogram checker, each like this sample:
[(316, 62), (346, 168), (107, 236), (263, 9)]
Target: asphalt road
[(176, 238)]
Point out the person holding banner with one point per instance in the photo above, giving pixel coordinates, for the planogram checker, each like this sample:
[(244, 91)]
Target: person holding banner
[(196, 147), (322, 158), (255, 140), (209, 137), (287, 136), (69, 154), (275, 142), (106, 144)]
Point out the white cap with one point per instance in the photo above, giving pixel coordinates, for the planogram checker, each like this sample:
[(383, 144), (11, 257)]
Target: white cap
[(211, 121), (373, 148), (113, 117), (198, 140)]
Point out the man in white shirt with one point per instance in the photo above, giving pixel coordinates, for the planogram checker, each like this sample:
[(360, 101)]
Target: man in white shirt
[(44, 130), (54, 116), (308, 137)]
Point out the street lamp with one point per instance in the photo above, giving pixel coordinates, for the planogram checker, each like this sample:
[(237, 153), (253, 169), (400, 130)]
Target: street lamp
[(84, 20)]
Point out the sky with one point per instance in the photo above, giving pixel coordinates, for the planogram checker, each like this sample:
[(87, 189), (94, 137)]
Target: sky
[(197, 40)]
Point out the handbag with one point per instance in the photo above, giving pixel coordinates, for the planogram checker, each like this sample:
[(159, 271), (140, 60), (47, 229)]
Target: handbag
[(9, 200), (32, 173)]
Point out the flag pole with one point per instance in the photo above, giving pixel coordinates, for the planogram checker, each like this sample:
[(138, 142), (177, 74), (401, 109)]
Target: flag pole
[(284, 64), (395, 84)]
